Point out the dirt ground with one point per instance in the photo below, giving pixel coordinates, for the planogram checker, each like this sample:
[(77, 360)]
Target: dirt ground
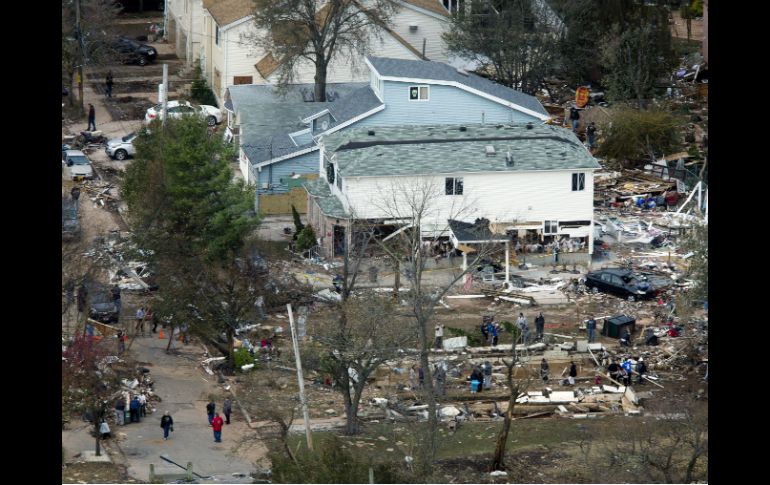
[(82, 472)]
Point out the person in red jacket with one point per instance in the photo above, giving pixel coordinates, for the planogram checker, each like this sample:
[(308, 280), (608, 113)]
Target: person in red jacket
[(216, 424)]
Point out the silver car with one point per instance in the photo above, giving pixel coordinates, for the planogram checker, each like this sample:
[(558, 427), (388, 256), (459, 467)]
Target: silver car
[(76, 165), (121, 148)]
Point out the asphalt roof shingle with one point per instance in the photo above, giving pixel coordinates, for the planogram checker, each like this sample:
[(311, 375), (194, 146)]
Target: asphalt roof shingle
[(438, 71), (445, 149)]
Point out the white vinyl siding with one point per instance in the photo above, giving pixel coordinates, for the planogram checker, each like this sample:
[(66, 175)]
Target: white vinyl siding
[(428, 28), (500, 196)]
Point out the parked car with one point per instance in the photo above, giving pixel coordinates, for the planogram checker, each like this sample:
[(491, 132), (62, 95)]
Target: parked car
[(177, 109), (134, 52), (103, 308), (621, 282), (121, 148), (70, 223), (76, 165)]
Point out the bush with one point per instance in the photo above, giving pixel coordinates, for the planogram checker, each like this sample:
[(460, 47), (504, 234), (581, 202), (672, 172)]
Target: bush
[(242, 357), (306, 239), (298, 226), (200, 92), (633, 135)]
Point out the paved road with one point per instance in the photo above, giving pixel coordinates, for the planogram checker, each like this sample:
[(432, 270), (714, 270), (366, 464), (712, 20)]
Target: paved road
[(184, 392)]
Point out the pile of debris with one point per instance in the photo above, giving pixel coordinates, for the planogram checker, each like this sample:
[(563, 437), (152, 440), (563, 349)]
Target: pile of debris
[(100, 194), (114, 252)]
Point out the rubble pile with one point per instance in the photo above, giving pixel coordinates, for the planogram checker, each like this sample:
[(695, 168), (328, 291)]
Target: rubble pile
[(115, 253)]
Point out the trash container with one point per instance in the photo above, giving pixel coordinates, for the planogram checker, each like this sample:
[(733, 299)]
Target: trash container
[(613, 327)]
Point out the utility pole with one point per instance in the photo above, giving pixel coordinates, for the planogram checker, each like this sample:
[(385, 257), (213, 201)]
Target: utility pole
[(300, 380), (165, 94), (80, 50)]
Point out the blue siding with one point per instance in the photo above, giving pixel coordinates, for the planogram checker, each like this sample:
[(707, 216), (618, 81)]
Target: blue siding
[(272, 174), (446, 104)]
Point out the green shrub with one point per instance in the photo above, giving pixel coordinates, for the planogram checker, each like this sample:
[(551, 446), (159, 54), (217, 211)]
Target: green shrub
[(242, 357), (306, 239), (200, 92), (298, 226)]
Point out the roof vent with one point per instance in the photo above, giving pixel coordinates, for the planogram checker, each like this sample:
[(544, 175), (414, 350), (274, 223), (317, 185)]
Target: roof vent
[(529, 126), (462, 128), (370, 132), (490, 150), (508, 159)]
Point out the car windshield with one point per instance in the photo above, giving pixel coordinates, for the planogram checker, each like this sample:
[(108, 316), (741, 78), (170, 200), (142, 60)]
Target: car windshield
[(78, 160), (157, 107), (129, 137)]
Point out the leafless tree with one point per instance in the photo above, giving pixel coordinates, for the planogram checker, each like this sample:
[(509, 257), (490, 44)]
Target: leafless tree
[(317, 31)]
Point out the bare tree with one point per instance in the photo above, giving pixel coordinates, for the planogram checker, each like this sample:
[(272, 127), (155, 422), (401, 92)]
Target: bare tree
[(516, 387), (425, 223), (318, 31)]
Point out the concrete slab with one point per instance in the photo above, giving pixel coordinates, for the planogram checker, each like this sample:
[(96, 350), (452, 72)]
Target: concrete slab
[(89, 456), (582, 345)]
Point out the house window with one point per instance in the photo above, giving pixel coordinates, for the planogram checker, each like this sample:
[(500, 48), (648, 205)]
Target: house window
[(330, 172), (418, 93), (550, 227), (454, 186), (216, 34), (242, 80), (578, 181)]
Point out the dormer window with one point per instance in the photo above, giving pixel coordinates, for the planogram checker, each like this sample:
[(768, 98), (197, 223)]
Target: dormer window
[(418, 93)]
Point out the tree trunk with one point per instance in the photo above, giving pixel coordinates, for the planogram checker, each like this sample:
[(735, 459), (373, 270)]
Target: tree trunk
[(231, 345), (170, 337), (498, 462), (351, 412), (396, 278), (320, 78), (429, 453)]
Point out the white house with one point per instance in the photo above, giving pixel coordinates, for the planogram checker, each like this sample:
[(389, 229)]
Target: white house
[(526, 179), (229, 58), (185, 28)]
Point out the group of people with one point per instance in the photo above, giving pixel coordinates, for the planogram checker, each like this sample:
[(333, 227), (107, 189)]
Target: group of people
[(624, 371), (490, 330), (481, 377), (137, 408), (215, 420)]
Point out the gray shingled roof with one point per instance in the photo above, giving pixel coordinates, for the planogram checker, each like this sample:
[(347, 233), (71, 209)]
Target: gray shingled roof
[(438, 71), (269, 115), (354, 104), (329, 204), (444, 149)]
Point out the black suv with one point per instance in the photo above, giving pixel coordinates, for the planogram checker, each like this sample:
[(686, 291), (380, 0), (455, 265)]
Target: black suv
[(103, 307), (134, 52)]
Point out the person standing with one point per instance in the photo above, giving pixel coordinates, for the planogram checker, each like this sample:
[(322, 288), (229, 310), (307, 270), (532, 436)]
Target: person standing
[(614, 370), (115, 291), (494, 332), (216, 424), (120, 411), (104, 429), (439, 335), (109, 82), (413, 377), (142, 405), (544, 370), (572, 373), (574, 116), (139, 321), (487, 369), (641, 368), (91, 118), (591, 328), (521, 322), (228, 409), (626, 366), (210, 408), (167, 423), (539, 326), (121, 342), (440, 379), (75, 193), (484, 329), (591, 134), (133, 408)]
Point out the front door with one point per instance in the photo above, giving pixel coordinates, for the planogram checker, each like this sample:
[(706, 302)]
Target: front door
[(339, 240)]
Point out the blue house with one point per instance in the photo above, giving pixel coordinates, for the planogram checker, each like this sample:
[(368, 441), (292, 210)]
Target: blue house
[(278, 135)]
